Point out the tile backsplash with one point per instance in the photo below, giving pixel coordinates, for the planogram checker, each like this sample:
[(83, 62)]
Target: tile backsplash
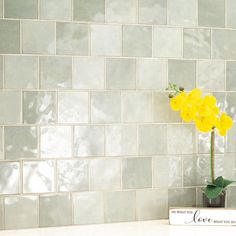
[(86, 132)]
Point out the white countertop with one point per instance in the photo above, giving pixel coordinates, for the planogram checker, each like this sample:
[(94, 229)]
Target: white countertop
[(142, 228)]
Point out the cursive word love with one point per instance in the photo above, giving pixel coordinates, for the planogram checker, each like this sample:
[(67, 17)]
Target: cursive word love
[(197, 218)]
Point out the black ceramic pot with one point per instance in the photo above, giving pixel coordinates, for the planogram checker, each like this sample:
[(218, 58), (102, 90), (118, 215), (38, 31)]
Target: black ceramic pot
[(214, 202)]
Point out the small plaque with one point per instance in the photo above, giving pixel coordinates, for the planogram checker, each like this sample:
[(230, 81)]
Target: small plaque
[(202, 216)]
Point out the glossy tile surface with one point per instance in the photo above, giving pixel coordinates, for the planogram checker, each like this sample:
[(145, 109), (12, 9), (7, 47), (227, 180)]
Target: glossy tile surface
[(1, 214), (1, 143), (1, 72), (230, 9), (230, 75)]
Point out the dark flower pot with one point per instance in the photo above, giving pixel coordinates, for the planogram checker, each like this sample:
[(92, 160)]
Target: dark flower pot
[(214, 202)]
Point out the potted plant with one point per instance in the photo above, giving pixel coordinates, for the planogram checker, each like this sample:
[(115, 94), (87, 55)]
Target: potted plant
[(204, 112)]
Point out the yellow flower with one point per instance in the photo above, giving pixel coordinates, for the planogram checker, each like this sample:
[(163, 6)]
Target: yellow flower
[(204, 124), (187, 114), (224, 123), (177, 102), (195, 95)]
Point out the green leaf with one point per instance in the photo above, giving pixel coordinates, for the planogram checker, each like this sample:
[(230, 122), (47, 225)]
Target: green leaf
[(213, 191), (219, 181), (227, 182)]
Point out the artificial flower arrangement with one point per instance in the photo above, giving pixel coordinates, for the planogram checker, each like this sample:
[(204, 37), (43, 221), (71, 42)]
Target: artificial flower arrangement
[(204, 112)]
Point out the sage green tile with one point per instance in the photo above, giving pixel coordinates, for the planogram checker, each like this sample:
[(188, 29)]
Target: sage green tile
[(230, 75), (105, 174), (73, 175), (55, 72), (20, 142), (122, 11), (152, 139), (137, 41), (183, 12), (89, 10), (70, 111), (211, 75), (120, 73), (162, 111), (9, 36), (1, 12), (182, 197), (24, 66), (153, 11), (1, 144), (1, 72), (137, 173), (106, 40), (182, 72), (55, 210), (119, 206), (88, 73), (38, 37), (152, 204), (21, 212), (230, 9), (88, 141), (1, 214), (151, 74), (72, 39), (9, 171), (55, 10), (231, 140), (105, 107), (167, 42), (21, 9), (181, 139), (88, 208), (137, 106), (223, 44), (121, 140), (211, 13), (39, 107), (197, 43), (55, 141), (38, 176), (167, 171), (10, 107), (230, 196)]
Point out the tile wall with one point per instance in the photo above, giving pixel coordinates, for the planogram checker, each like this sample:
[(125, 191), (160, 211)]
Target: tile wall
[(86, 133)]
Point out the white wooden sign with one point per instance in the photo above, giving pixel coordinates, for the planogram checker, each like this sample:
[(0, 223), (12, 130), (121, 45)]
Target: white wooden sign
[(202, 216)]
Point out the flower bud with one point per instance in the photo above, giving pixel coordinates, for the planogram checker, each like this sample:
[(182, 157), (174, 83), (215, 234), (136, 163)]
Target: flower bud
[(171, 95), (181, 89)]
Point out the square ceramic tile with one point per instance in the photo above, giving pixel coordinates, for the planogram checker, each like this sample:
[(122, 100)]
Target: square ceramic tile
[(105, 174), (223, 44), (231, 10), (151, 74), (121, 140), (231, 195), (211, 75), (231, 75), (120, 73), (197, 43), (88, 208), (1, 72), (167, 171), (55, 10), (119, 206), (88, 73), (153, 11), (137, 41), (89, 10), (56, 141), (167, 42), (39, 107), (9, 36), (9, 177), (1, 12), (73, 175), (21, 212), (38, 176), (122, 11), (137, 106), (211, 13), (38, 37), (230, 104), (72, 39), (26, 67), (106, 40), (137, 173), (21, 142), (152, 139), (55, 210), (183, 12), (152, 204), (55, 72), (70, 111), (231, 140), (21, 9), (10, 107), (183, 73), (1, 144), (105, 107), (88, 141)]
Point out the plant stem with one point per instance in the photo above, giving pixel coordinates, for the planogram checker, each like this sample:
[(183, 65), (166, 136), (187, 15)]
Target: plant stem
[(213, 155)]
